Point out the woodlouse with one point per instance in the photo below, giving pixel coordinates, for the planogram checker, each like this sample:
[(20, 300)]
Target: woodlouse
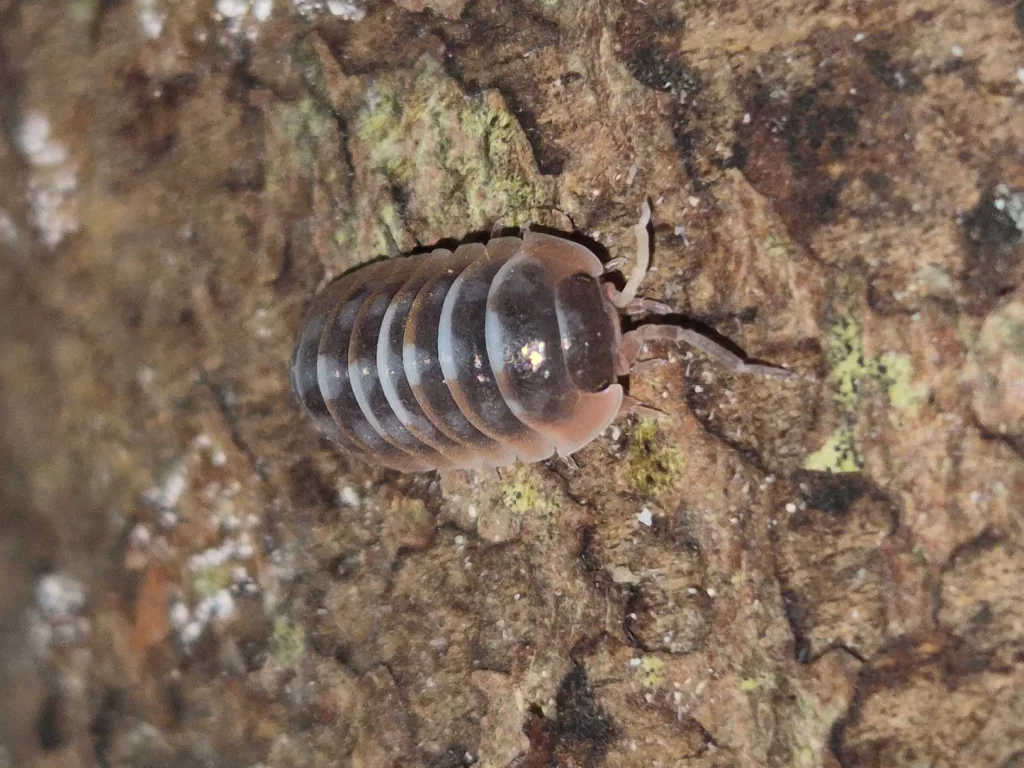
[(490, 354)]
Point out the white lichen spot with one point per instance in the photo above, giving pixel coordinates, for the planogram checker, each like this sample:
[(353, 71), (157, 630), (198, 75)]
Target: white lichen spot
[(346, 10), (243, 18), (167, 495), (349, 496), (151, 19), (140, 535), (190, 633), (145, 377), (342, 9), (645, 517), (52, 180), (59, 596), (56, 619), (1011, 203), (179, 616), (233, 9)]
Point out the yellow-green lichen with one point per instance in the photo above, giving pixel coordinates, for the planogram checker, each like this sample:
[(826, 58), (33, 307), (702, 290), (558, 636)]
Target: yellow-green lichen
[(304, 124), (904, 395), (837, 455), (462, 162), (848, 368), (651, 671), (207, 582), (652, 465), (523, 494), (777, 247), (847, 364), (287, 642), (763, 681)]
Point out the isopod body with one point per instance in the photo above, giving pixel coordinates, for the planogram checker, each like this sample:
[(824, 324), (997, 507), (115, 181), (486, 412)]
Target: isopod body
[(497, 352), (482, 356)]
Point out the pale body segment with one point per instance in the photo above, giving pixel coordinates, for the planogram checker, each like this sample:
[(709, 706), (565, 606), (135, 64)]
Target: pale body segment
[(488, 355)]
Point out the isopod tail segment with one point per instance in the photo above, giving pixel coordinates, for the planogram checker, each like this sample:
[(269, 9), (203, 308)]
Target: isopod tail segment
[(628, 302)]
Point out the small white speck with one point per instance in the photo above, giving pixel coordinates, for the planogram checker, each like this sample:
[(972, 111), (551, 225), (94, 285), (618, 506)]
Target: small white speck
[(349, 496), (691, 590), (957, 51), (698, 388), (345, 10), (859, 37), (693, 201), (144, 377), (52, 182), (232, 9), (1020, 75), (219, 458), (168, 495), (645, 517), (471, 511), (59, 596), (179, 616), (140, 535), (746, 118), (635, 662), (244, 550), (33, 134), (711, 592), (791, 508), (151, 20), (223, 604), (261, 9), (191, 632)]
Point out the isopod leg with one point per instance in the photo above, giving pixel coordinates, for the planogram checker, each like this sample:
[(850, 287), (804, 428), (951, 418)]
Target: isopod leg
[(633, 407), (633, 342), (624, 298)]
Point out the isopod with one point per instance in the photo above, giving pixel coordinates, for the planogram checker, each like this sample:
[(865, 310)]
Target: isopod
[(497, 352)]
